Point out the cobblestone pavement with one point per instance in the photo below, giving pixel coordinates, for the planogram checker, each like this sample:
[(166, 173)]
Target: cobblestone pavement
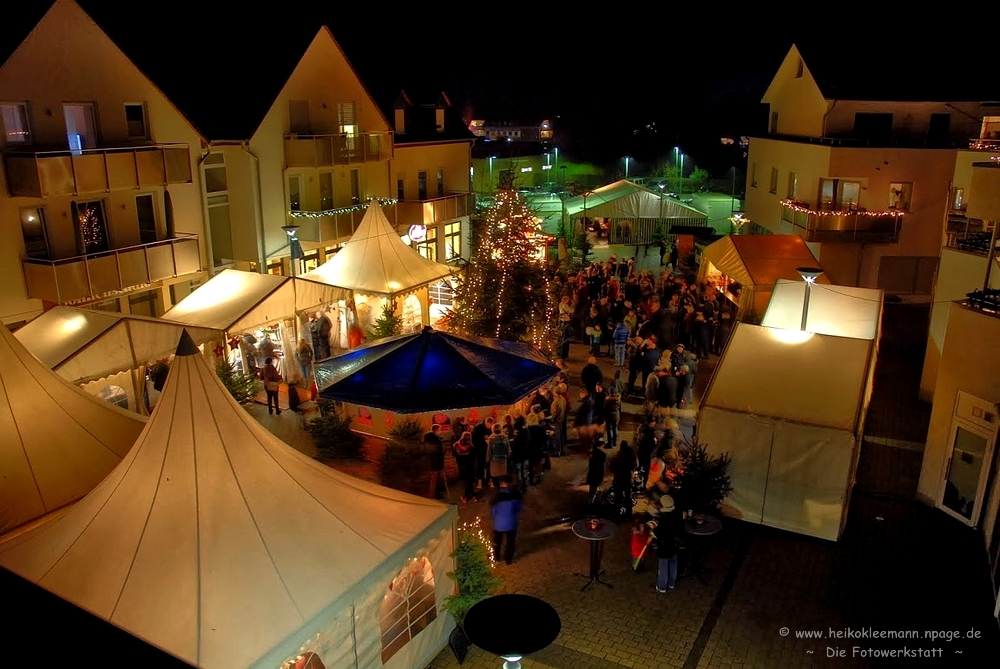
[(900, 566)]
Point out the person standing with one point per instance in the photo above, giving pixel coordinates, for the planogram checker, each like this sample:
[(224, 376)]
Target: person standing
[(595, 473), (435, 446), (497, 454), (505, 508), (480, 435), (667, 532), (620, 338), (272, 382), (622, 468), (465, 456), (612, 415)]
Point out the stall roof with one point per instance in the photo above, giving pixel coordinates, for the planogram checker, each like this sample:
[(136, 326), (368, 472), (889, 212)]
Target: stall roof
[(239, 301), (841, 311), (626, 199), (376, 261), (84, 344), (808, 378), (760, 260)]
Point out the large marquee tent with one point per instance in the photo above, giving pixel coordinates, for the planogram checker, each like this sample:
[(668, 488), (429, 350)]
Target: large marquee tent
[(223, 546), (624, 202), (376, 263), (101, 350), (789, 405), (56, 441), (756, 262)]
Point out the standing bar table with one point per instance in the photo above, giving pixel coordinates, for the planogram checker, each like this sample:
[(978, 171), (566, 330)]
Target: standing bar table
[(596, 531), (700, 527), (512, 626)]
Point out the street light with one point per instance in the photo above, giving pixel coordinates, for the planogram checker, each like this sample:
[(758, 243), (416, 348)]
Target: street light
[(295, 248), (809, 275), (627, 159)]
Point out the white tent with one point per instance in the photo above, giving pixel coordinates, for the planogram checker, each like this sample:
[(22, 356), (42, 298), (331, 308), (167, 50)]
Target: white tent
[(223, 546), (375, 261), (56, 441), (103, 349), (626, 199), (841, 311), (789, 407)]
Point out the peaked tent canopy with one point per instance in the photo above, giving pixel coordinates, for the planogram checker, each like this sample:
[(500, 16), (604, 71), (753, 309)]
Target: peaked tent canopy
[(627, 199), (218, 543), (757, 262), (238, 301), (431, 371), (789, 407), (841, 311), (56, 441), (83, 345), (376, 261)]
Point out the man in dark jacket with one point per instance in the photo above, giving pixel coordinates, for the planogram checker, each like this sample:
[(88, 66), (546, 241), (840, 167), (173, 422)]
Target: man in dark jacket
[(667, 530), (505, 507), (480, 433), (622, 467), (591, 375), (595, 472), (435, 449)]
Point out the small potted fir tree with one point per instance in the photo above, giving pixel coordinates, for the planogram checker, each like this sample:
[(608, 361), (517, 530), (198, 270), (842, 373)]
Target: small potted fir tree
[(474, 579)]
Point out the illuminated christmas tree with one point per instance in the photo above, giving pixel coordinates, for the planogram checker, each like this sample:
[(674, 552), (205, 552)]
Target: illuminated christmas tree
[(503, 291)]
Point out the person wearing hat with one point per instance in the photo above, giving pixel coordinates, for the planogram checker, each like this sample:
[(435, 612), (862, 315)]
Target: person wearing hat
[(667, 532)]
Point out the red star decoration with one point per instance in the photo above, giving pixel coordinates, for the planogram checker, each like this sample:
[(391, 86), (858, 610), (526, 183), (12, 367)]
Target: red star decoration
[(219, 350)]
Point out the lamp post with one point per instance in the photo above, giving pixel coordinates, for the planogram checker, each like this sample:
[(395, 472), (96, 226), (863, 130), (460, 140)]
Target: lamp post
[(627, 159), (809, 275), (295, 249)]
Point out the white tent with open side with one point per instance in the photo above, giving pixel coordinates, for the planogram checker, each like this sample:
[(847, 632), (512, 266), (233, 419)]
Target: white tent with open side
[(789, 407), (223, 546), (102, 350), (376, 262), (56, 441)]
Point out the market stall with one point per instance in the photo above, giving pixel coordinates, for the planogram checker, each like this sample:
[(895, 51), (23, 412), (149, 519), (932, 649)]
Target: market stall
[(225, 547), (378, 268), (107, 354), (744, 268)]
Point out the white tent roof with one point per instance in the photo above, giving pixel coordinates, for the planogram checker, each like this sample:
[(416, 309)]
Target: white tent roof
[(56, 441), (212, 539), (376, 261), (625, 199), (240, 301), (833, 310), (84, 344), (808, 378)]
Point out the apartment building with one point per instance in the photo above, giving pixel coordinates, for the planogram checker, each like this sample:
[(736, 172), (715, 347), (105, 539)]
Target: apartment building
[(860, 165), (100, 200), (431, 169)]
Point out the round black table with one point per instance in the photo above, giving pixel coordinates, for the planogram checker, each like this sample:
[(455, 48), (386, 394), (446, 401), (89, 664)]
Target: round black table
[(700, 527), (596, 531), (512, 626)]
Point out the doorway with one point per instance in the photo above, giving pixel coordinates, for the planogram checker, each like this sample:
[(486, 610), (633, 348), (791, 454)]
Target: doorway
[(971, 442), (145, 213), (81, 127), (91, 227)]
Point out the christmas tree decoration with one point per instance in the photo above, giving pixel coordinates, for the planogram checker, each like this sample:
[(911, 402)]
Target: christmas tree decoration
[(504, 290)]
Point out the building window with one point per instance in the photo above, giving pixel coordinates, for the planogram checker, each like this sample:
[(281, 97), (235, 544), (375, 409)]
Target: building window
[(145, 215), (774, 180), (850, 196), (428, 247), (453, 240), (827, 194), (793, 185), (298, 117), (36, 240), (408, 607), (355, 186), (799, 69), (441, 293), (15, 123), (958, 199), (325, 191), (899, 195), (421, 185), (217, 203), (774, 123), (347, 121), (400, 188), (439, 119), (145, 304), (837, 195), (753, 175), (135, 120), (440, 182), (91, 227), (81, 127), (294, 192)]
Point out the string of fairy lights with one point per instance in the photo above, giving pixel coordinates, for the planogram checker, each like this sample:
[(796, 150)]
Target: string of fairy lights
[(90, 227), (805, 209), (474, 527), (384, 201)]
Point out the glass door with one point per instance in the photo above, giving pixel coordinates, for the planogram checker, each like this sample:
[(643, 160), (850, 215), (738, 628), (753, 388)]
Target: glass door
[(81, 127), (965, 476)]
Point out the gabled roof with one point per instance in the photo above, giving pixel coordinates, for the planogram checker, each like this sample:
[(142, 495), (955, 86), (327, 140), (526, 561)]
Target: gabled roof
[(625, 198), (376, 261), (56, 441), (212, 539)]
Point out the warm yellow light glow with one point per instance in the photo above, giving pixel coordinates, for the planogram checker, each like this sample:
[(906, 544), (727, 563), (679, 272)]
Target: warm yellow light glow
[(790, 336), (395, 285), (74, 324)]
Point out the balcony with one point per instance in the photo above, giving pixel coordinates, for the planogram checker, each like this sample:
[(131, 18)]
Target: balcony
[(866, 227), (430, 212), (106, 274), (342, 149), (42, 174), (317, 226), (984, 144)]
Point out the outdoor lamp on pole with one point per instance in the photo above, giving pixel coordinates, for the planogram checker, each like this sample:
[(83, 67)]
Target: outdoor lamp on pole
[(627, 159), (293, 243), (809, 275)]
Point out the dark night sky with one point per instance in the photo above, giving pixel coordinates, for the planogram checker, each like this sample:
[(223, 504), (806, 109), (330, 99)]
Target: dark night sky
[(697, 72)]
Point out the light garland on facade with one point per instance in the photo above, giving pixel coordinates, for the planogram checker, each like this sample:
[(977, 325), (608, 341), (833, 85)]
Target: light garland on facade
[(384, 201), (804, 209)]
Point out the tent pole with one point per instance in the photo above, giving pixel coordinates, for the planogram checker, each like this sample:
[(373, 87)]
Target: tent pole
[(140, 405)]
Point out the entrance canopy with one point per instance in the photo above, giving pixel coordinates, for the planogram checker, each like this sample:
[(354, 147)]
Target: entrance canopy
[(431, 371), (376, 261), (83, 345), (626, 199), (239, 301), (833, 310)]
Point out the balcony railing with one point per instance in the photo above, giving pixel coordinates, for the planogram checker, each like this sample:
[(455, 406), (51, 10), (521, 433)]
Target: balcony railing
[(342, 149), (842, 226), (984, 144), (42, 174), (109, 273), (429, 212)]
